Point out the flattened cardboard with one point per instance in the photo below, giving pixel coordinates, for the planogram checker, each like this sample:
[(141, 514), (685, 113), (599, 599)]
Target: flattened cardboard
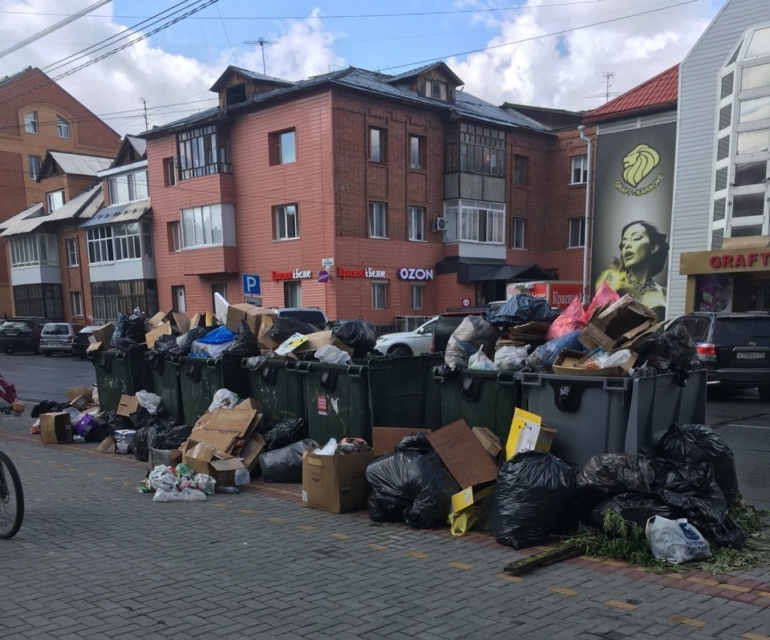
[(55, 428), (151, 336), (320, 338), (613, 326), (465, 498), (336, 484), (103, 334), (96, 346), (73, 393), (251, 450), (181, 322), (159, 319), (488, 440), (127, 406), (463, 454), (107, 445), (563, 366), (385, 439), (220, 440)]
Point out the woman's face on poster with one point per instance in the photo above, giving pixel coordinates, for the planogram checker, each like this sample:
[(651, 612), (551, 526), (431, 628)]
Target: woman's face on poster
[(636, 249)]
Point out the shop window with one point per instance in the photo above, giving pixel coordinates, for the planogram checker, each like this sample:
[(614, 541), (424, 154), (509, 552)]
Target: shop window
[(72, 252), (520, 170), (577, 233), (34, 166), (517, 233), (417, 224), (579, 169), (292, 294), (62, 127), (377, 139), (379, 295), (378, 220), (30, 122), (169, 171), (76, 302), (54, 200), (283, 147), (202, 226), (203, 151), (286, 222), (416, 296), (416, 152)]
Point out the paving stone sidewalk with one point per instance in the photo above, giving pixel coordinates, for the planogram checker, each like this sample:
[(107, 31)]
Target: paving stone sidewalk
[(96, 560)]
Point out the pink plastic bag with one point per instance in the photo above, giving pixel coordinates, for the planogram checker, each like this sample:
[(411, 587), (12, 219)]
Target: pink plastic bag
[(606, 294), (573, 318)]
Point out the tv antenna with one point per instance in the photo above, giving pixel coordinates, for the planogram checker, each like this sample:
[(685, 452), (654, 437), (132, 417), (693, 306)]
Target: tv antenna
[(261, 42), (608, 76)]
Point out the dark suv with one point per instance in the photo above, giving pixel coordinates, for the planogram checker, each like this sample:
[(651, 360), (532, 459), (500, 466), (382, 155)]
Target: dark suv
[(21, 334), (733, 347)]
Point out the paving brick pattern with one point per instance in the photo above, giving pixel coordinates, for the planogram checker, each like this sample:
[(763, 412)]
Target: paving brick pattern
[(97, 560)]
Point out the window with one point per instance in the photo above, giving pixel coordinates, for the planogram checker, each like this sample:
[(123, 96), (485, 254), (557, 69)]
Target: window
[(235, 94), (202, 226), (472, 221), (416, 296), (100, 249), (127, 241), (417, 224), (30, 122), (203, 151), (221, 289), (286, 222), (174, 236), (40, 300), (34, 167), (123, 296), (129, 188), (283, 147), (54, 200), (436, 89), (292, 294), (378, 220), (147, 239), (179, 299), (377, 139), (169, 171), (76, 302), (520, 173), (577, 232), (30, 250), (72, 252), (62, 127), (482, 150), (416, 152), (579, 169), (517, 233), (379, 295)]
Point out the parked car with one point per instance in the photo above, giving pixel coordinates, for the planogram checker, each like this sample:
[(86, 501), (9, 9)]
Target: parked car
[(311, 315), (21, 333), (733, 347), (408, 343), (81, 341), (57, 337)]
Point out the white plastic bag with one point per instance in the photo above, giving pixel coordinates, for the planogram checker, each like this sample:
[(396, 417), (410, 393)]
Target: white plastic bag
[(329, 449), (149, 401), (224, 399), (242, 476), (510, 357), (185, 495), (480, 361), (161, 478), (205, 483), (675, 541), (332, 355)]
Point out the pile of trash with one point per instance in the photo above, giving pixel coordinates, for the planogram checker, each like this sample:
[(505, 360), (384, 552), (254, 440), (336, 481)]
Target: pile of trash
[(179, 484)]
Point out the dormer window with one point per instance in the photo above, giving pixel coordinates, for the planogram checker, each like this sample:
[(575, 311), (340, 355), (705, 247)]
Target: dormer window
[(235, 94), (436, 89)]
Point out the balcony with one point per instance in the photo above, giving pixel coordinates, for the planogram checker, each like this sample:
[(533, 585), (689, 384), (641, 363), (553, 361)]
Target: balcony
[(476, 228), (209, 260)]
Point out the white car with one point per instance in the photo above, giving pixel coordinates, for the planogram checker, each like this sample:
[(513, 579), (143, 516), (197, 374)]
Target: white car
[(408, 343)]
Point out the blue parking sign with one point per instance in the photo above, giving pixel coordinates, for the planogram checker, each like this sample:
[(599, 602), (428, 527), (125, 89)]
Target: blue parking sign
[(252, 284)]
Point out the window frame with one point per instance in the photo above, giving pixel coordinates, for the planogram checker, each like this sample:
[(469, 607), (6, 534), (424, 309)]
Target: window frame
[(217, 287), (33, 250), (581, 222), (63, 128), (34, 172), (482, 150), (49, 197), (375, 209), (203, 151), (280, 214), (77, 309), (207, 214), (579, 163), (415, 287), (277, 152), (100, 246), (420, 141), (131, 186), (288, 287), (174, 231), (516, 222), (71, 245), (169, 171), (412, 226), (382, 137), (375, 285), (520, 170), (31, 119)]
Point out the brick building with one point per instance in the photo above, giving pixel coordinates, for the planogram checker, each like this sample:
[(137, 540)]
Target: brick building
[(369, 195), (37, 115)]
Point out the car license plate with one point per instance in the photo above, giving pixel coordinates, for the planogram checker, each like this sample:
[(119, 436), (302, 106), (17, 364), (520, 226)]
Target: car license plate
[(11, 334), (750, 355)]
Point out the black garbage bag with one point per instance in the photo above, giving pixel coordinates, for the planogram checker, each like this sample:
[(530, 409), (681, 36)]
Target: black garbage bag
[(151, 434), (543, 357), (672, 351), (694, 443), (412, 487), (611, 474), (521, 308), (472, 334), (244, 344), (285, 328), (116, 422), (533, 490), (47, 406), (285, 432), (417, 442), (255, 363), (285, 465), (356, 334), (635, 507), (129, 331), (184, 342), (99, 431), (728, 534), (157, 355), (173, 438)]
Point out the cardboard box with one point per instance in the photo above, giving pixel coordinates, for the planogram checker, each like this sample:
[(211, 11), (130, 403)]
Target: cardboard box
[(488, 440), (251, 450), (335, 483), (103, 334), (181, 322), (80, 397), (158, 320), (536, 438), (55, 428), (227, 429), (465, 498), (384, 439), (248, 312), (202, 458), (463, 454), (97, 346), (614, 326), (521, 421), (564, 365), (151, 336), (127, 406), (319, 339), (107, 445)]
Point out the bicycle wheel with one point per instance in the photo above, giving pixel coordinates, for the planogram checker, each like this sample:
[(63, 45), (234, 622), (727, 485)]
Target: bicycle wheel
[(11, 498)]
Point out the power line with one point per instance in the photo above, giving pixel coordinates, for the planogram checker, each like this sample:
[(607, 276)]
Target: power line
[(227, 35)]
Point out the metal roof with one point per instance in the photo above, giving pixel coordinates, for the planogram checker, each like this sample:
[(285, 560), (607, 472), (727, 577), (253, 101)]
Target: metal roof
[(81, 165), (83, 206), (128, 212)]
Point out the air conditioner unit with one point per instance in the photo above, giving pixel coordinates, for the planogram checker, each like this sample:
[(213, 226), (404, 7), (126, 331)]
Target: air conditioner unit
[(440, 224)]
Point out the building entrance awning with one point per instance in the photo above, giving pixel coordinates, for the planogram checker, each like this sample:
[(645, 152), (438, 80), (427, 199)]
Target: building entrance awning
[(481, 269)]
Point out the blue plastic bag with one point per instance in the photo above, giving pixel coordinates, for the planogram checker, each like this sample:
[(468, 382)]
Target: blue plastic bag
[(219, 335)]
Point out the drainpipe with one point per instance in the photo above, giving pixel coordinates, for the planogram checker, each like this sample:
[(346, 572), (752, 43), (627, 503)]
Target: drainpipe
[(589, 178)]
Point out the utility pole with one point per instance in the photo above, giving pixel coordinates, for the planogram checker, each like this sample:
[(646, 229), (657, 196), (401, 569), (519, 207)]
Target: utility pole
[(144, 106), (261, 42)]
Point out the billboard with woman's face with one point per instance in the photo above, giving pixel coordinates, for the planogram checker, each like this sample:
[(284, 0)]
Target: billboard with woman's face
[(634, 181)]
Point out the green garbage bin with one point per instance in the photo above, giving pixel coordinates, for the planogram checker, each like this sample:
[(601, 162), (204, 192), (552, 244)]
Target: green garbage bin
[(201, 378), (279, 388), (481, 398), (336, 401), (118, 372), (165, 380)]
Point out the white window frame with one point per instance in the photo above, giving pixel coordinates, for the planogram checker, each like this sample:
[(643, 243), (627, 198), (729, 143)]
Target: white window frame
[(292, 293), (416, 147), (417, 296), (76, 302), (417, 224), (378, 220), (282, 215), (63, 127), (134, 185), (127, 238), (199, 227), (581, 232), (381, 135), (467, 219), (54, 200), (147, 248), (72, 252), (33, 250), (34, 163), (100, 247), (379, 294), (30, 122), (579, 164), (517, 223)]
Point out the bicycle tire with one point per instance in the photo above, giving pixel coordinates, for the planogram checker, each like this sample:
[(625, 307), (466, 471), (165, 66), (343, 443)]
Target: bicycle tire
[(11, 505)]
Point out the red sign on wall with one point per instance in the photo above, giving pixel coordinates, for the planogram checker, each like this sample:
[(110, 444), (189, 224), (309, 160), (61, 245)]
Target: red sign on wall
[(297, 274)]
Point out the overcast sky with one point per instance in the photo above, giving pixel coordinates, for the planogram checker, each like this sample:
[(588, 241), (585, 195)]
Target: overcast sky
[(552, 53)]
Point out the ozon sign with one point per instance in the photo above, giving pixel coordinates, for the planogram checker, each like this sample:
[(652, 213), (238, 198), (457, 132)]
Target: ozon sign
[(415, 274), (297, 274)]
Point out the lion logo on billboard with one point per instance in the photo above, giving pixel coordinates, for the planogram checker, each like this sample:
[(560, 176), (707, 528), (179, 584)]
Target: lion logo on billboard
[(638, 164)]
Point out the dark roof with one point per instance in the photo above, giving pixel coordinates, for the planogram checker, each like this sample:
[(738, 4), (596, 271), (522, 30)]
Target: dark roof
[(656, 94), (19, 74), (132, 149), (465, 105), (479, 269), (407, 75), (258, 77)]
